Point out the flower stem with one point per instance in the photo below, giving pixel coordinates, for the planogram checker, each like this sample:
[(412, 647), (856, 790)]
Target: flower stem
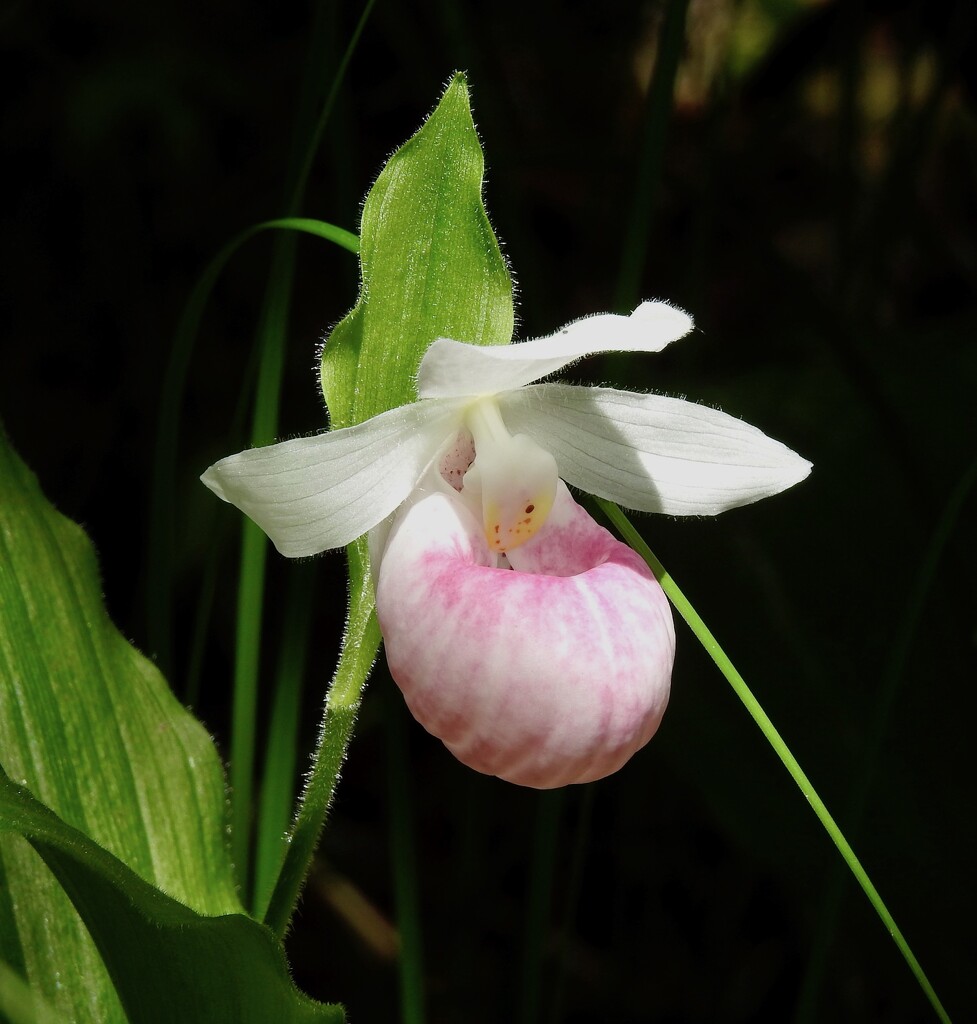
[(719, 656), (359, 651)]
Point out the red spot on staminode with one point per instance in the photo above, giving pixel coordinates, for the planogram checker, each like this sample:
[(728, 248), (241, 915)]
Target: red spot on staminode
[(530, 508)]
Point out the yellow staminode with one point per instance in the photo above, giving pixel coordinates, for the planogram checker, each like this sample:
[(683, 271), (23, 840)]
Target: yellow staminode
[(516, 478)]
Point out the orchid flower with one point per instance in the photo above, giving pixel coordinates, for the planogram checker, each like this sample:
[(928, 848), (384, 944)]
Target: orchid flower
[(527, 638)]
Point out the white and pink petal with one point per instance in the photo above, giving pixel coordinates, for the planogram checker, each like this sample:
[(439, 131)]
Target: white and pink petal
[(553, 672)]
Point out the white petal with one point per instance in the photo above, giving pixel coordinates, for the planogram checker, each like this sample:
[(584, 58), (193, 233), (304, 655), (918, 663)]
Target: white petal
[(451, 369), (653, 453), (315, 493)]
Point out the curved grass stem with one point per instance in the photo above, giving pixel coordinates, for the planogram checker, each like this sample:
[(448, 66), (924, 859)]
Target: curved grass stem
[(719, 656)]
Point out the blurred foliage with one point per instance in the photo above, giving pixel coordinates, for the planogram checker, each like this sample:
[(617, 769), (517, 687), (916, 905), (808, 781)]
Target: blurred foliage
[(816, 212)]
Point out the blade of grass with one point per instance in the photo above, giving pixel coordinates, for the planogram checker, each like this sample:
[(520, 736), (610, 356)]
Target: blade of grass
[(161, 529), (254, 545), (831, 901), (281, 757), (403, 856), (736, 681), (658, 109), (206, 524), (327, 107), (251, 584), (549, 810), (578, 856)]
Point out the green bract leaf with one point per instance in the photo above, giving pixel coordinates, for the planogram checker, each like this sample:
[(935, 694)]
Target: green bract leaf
[(168, 963), (90, 727), (430, 267)]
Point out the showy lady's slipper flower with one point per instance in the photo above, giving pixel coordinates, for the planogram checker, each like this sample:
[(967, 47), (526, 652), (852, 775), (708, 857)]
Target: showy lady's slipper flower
[(534, 644)]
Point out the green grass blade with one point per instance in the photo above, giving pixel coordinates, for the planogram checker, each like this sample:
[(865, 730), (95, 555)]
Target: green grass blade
[(586, 795), (830, 902), (545, 849), (254, 551), (254, 546), (325, 113), (671, 40), (404, 861), (718, 655), (161, 529), (281, 758)]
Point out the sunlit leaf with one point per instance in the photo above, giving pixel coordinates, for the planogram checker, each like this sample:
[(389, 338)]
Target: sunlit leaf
[(168, 962), (430, 267), (126, 802)]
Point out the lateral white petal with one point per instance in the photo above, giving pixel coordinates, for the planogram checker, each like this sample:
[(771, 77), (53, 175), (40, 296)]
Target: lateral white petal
[(653, 453), (315, 493), (451, 369)]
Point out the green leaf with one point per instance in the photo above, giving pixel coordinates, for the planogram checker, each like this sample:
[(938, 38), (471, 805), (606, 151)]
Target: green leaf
[(168, 962), (87, 723), (361, 642), (135, 805), (430, 267), (18, 1004)]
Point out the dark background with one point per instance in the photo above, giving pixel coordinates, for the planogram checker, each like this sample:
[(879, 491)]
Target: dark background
[(814, 209)]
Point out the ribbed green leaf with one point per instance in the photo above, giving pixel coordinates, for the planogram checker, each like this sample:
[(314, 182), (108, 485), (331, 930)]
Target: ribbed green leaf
[(430, 267), (90, 728), (168, 962), (19, 1004)]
